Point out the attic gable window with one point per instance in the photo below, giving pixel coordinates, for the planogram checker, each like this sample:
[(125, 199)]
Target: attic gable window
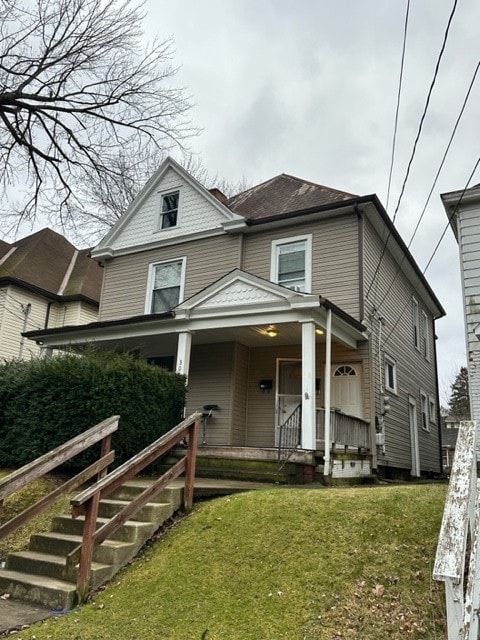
[(291, 263), (166, 284), (169, 204)]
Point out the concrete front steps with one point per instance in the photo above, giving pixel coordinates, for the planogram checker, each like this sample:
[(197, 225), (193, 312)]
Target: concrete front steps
[(40, 575)]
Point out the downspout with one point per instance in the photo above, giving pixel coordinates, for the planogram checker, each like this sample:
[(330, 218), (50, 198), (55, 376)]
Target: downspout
[(328, 371), (360, 243), (47, 315)]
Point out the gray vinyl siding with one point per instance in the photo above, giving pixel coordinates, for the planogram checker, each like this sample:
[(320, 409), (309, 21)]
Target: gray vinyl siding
[(414, 372), (210, 382), (125, 280), (334, 257), (239, 394)]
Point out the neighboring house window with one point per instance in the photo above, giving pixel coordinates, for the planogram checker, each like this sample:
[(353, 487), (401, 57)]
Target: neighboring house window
[(169, 203), (424, 410), (390, 371), (291, 264), (416, 324), (166, 284), (425, 336), (432, 414)]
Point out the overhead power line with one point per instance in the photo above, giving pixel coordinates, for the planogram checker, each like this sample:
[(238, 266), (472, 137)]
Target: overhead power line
[(417, 137), (447, 149), (425, 109), (450, 218), (397, 109)]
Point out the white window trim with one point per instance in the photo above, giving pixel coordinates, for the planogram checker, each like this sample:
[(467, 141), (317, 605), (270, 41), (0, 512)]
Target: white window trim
[(160, 196), (426, 336), (308, 258), (432, 410), (151, 279), (388, 360), (423, 396), (416, 323)]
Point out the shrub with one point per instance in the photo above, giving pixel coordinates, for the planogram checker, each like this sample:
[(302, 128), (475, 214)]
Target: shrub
[(45, 402)]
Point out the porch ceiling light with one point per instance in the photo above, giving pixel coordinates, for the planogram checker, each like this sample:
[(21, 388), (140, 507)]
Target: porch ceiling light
[(270, 331), (319, 332)]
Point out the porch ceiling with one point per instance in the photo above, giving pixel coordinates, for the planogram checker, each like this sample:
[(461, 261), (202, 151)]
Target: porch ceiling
[(289, 333)]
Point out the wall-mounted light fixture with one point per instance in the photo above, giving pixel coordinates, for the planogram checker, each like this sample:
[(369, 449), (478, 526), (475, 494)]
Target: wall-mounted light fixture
[(265, 385)]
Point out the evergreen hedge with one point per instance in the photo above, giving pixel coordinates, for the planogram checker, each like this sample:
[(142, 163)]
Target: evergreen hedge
[(45, 402)]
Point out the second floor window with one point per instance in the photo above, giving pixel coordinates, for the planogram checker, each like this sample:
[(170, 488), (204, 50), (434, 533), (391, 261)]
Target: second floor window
[(167, 285), (169, 210), (291, 263), (425, 336), (416, 324), (390, 371)]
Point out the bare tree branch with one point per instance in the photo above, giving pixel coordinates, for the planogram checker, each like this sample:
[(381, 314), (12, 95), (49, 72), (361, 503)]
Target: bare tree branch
[(76, 89)]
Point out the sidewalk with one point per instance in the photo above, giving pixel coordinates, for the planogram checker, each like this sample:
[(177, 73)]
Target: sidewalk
[(18, 615)]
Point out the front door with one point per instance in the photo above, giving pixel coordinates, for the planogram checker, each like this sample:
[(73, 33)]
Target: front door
[(289, 391), (346, 389)]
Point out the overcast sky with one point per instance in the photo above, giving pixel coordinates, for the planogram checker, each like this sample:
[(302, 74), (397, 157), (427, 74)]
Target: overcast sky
[(309, 88)]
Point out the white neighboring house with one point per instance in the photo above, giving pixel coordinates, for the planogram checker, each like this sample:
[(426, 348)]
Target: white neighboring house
[(463, 210), (44, 282)]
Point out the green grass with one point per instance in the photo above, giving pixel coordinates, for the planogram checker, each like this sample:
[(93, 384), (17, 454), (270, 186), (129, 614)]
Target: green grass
[(20, 500), (281, 563)]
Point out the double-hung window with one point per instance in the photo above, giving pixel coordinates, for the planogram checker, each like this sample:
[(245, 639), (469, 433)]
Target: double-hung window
[(390, 371), (416, 324), (166, 283), (169, 204), (291, 263), (424, 410), (425, 337)]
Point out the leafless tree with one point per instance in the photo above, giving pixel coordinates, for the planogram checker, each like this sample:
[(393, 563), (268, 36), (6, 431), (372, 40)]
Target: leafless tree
[(77, 88)]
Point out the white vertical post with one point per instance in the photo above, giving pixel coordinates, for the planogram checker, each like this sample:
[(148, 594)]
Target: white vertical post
[(327, 393), (46, 352), (309, 435), (184, 348)]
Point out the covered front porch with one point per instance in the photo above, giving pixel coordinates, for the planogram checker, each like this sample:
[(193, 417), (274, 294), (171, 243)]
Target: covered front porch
[(255, 354)]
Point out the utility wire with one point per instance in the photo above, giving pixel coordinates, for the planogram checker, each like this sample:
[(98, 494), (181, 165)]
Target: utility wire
[(425, 109), (422, 119), (397, 109), (454, 131), (450, 218)]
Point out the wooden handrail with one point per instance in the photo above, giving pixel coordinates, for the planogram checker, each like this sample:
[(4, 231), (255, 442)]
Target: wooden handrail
[(52, 459), (87, 502)]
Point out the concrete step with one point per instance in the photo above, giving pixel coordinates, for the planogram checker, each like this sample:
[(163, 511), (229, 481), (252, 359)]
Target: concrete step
[(131, 489), (128, 532), (53, 566), (49, 592), (151, 512)]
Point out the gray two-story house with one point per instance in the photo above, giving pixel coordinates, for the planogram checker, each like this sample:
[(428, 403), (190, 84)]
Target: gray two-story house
[(292, 308)]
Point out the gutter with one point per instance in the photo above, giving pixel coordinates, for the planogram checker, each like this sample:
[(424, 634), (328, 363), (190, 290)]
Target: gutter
[(55, 297)]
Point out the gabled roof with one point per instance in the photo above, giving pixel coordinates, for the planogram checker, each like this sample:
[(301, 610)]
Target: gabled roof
[(47, 262), (283, 194)]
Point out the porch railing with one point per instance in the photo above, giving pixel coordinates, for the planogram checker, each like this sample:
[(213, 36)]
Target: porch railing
[(460, 524), (289, 437), (346, 431)]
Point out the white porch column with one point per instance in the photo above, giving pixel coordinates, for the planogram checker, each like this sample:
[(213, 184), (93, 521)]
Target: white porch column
[(326, 402), (184, 348), (46, 352), (309, 436)]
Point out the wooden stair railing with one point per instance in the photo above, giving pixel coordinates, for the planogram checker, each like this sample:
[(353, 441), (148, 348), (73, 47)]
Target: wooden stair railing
[(50, 461), (86, 503), (459, 540)]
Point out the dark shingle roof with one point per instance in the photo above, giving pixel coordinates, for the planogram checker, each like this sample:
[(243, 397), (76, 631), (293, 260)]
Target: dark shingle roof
[(48, 261), (283, 194)]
